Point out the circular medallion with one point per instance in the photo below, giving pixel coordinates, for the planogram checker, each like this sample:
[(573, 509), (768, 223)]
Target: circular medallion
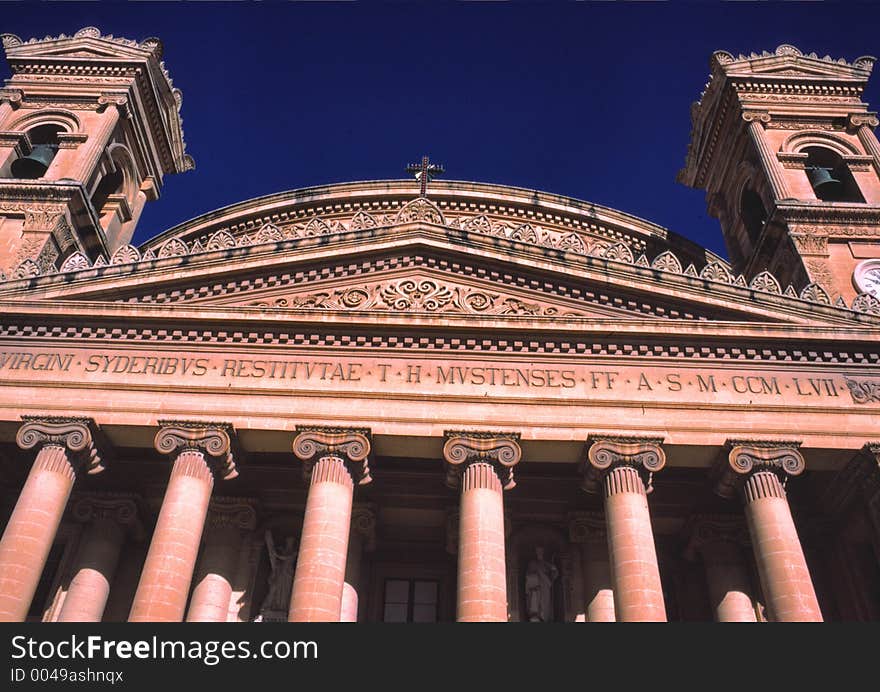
[(866, 277)]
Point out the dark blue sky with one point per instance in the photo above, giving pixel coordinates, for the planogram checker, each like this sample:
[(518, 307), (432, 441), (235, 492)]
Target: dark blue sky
[(587, 100)]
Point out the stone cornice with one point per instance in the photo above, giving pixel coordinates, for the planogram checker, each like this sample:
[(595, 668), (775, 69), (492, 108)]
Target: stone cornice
[(215, 440), (352, 445), (744, 457), (499, 449), (79, 436), (604, 452)]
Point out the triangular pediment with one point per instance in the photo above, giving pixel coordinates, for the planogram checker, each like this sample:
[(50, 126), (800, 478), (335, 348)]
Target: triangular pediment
[(422, 269)]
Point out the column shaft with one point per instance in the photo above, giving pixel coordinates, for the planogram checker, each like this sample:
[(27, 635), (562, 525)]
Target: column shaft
[(213, 590), (96, 564), (31, 530), (598, 593), (638, 594), (482, 574), (768, 160), (728, 582), (869, 142), (350, 600), (320, 568), (780, 559), (167, 574)]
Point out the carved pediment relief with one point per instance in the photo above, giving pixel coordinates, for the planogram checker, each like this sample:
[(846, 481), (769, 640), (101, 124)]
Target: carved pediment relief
[(419, 292)]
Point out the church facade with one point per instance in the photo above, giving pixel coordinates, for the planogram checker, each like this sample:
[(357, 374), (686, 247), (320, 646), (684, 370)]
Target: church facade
[(434, 400)]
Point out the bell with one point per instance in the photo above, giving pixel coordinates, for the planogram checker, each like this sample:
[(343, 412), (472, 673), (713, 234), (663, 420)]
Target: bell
[(822, 178), (35, 164)]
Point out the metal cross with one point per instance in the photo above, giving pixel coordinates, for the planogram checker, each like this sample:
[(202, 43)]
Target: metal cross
[(424, 172)]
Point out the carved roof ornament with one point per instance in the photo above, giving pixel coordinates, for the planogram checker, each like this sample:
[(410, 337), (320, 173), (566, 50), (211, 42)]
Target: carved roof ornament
[(215, 440), (352, 445), (744, 457), (499, 449), (425, 172), (706, 529), (420, 209), (82, 438), (604, 452)]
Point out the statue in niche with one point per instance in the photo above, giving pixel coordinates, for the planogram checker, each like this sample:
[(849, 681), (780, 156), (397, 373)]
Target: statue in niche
[(277, 601), (540, 575)]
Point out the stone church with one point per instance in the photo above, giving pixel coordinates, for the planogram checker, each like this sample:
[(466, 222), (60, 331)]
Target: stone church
[(427, 400)]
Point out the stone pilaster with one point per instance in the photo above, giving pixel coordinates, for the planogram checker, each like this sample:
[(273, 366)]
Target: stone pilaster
[(767, 156), (199, 451), (481, 465), (229, 520), (719, 542), (623, 467), (588, 529), (757, 472), (334, 460), (65, 447)]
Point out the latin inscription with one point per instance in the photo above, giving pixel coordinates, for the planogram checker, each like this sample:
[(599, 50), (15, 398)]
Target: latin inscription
[(425, 376)]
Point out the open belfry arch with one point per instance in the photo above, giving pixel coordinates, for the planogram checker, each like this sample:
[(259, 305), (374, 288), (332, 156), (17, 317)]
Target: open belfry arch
[(432, 399)]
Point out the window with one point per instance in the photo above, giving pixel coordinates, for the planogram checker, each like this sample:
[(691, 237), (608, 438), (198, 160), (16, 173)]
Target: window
[(753, 213), (44, 146), (410, 600), (830, 177)]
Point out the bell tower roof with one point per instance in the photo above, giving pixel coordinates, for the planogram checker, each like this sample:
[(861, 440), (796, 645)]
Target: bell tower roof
[(89, 58)]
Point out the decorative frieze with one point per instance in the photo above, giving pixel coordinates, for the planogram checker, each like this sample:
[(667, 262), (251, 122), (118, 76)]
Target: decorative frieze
[(352, 445), (863, 391), (745, 458), (498, 451)]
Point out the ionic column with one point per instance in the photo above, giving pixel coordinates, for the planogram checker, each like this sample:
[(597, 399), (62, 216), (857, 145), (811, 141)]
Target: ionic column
[(334, 460), (718, 540), (588, 529), (756, 471), (769, 162), (361, 537), (65, 446), (616, 464), (88, 155), (481, 464), (863, 124), (165, 580), (229, 520), (107, 518)]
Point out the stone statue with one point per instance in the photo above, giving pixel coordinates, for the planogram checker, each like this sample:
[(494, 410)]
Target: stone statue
[(277, 601), (540, 575)]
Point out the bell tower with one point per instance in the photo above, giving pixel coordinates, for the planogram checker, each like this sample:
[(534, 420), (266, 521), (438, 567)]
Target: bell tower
[(89, 127), (784, 148)]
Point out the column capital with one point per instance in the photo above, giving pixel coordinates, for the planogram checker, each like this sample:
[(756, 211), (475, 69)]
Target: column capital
[(604, 452), (499, 449), (708, 529), (352, 445), (859, 478), (215, 440), (13, 97), (363, 523), (113, 99), (856, 120), (232, 513), (751, 116), (744, 457), (80, 437), (120, 508), (587, 527)]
